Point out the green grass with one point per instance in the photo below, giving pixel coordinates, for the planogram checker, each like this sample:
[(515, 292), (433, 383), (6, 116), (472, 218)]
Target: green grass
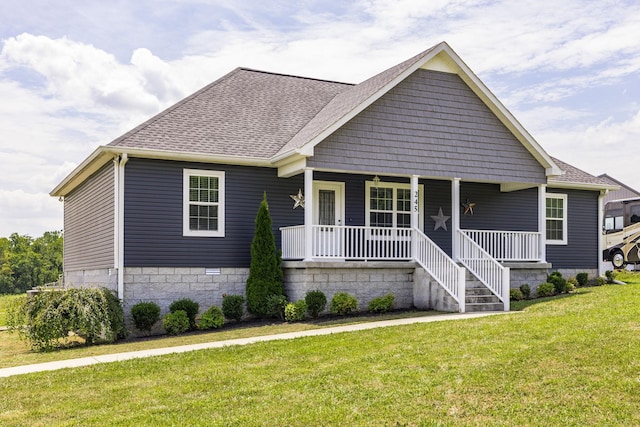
[(561, 361)]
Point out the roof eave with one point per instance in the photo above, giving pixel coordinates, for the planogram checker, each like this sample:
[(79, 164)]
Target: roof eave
[(581, 186)]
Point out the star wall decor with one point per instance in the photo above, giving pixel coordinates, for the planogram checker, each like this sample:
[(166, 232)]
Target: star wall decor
[(298, 199), (440, 219), (468, 207)]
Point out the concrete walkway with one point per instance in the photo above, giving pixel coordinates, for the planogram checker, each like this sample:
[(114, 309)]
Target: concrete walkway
[(117, 357)]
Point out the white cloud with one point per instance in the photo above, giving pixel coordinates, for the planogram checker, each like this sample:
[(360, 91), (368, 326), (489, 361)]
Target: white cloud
[(28, 213)]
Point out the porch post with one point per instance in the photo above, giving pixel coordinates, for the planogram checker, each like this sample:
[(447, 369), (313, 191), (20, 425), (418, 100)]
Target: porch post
[(542, 222), (455, 218), (415, 218), (601, 267), (308, 214)]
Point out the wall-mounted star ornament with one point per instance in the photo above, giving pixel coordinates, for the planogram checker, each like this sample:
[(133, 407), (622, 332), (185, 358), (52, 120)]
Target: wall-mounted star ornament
[(298, 199), (468, 207), (441, 220)]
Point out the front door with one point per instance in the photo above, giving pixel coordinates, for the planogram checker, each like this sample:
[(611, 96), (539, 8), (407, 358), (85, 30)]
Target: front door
[(328, 213)]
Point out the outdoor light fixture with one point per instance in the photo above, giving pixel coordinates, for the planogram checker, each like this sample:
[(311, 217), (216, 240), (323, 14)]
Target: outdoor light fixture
[(376, 180)]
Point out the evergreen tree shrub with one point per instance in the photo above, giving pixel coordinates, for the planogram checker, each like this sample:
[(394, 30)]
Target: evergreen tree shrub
[(526, 291), (276, 305), (189, 306), (265, 271), (316, 302), (233, 307), (545, 290), (176, 322), (515, 294), (559, 282), (145, 315), (582, 278)]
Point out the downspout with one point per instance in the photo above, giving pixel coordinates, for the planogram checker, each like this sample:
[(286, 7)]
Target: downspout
[(120, 223), (542, 222)]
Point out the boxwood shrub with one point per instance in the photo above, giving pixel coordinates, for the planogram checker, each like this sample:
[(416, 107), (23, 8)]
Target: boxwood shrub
[(176, 322), (211, 319), (190, 307), (316, 302), (233, 307), (145, 315), (382, 304), (294, 312), (343, 303), (545, 290)]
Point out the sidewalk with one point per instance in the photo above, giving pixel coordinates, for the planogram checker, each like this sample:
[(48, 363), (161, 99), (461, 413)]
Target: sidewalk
[(117, 357)]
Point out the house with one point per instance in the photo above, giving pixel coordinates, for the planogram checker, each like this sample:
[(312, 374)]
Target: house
[(623, 192), (417, 181)]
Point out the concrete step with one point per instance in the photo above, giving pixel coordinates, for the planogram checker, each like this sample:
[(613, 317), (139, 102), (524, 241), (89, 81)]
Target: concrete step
[(469, 308), (482, 299)]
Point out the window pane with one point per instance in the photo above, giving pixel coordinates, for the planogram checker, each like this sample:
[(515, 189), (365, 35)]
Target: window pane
[(554, 229), (404, 220), (404, 200), (381, 219)]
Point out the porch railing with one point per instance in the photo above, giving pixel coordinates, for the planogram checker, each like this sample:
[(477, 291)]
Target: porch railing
[(485, 267), (442, 268), (348, 242), (508, 245)]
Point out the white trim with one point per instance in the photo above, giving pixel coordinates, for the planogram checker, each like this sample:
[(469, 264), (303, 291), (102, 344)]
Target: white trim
[(542, 222), (308, 214), (338, 187), (565, 211), (395, 186), (455, 218), (120, 224), (601, 267), (186, 231)]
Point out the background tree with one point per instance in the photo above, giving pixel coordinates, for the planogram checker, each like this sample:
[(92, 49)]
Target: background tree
[(265, 271)]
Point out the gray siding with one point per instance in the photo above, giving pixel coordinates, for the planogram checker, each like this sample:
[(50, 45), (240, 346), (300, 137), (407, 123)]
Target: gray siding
[(89, 223), (437, 194), (581, 250), (432, 125), (153, 214)]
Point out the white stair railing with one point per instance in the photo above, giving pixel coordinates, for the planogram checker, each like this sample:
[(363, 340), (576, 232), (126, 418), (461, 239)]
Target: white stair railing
[(486, 268), (441, 268)]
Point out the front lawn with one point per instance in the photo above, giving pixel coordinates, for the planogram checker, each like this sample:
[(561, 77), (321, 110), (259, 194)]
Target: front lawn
[(564, 361)]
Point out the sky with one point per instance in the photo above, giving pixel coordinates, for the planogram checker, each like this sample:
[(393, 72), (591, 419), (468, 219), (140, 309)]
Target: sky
[(75, 75)]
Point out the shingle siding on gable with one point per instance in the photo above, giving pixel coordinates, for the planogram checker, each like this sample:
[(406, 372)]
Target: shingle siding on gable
[(89, 223), (431, 124), (583, 232), (153, 214)]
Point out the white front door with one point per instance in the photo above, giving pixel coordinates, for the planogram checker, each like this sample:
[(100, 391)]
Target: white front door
[(328, 210)]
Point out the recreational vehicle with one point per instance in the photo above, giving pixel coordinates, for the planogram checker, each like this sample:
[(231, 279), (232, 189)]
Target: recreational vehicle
[(621, 232)]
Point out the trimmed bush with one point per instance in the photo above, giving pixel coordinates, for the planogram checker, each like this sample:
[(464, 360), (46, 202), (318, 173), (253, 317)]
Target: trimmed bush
[(572, 284), (526, 291), (515, 294), (610, 275), (382, 304), (233, 307), (265, 271), (559, 282), (276, 305), (190, 307), (545, 290), (176, 322), (582, 278), (145, 315), (342, 303), (294, 312), (211, 319), (316, 302), (600, 281), (47, 318)]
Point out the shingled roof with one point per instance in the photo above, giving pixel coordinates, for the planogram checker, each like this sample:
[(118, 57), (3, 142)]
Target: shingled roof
[(246, 113), (573, 175)]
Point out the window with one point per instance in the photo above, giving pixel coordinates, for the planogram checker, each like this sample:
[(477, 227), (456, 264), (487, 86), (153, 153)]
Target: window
[(203, 203), (556, 216), (389, 205)]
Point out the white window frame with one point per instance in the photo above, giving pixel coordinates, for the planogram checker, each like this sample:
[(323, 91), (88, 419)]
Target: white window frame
[(395, 186), (186, 230), (565, 210)]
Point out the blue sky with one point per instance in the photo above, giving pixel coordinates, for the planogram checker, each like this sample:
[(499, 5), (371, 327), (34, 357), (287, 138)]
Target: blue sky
[(77, 75)]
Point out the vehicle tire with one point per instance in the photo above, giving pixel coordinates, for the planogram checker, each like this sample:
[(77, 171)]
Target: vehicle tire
[(617, 260)]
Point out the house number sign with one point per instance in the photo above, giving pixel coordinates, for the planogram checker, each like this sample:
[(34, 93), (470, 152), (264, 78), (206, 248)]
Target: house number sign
[(414, 202)]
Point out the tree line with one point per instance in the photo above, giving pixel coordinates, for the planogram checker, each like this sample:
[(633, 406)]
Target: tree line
[(26, 262)]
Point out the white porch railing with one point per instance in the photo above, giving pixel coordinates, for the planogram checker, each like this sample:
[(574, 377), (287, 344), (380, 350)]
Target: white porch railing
[(486, 268), (508, 245), (441, 267)]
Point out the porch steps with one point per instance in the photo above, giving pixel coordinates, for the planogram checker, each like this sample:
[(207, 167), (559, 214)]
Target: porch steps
[(479, 298)]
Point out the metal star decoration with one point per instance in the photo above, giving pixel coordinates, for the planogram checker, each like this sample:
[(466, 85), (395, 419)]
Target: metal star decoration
[(468, 207), (440, 219), (298, 199)]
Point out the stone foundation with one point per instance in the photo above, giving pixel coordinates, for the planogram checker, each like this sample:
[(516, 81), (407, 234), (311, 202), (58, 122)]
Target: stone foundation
[(364, 280), (106, 277)]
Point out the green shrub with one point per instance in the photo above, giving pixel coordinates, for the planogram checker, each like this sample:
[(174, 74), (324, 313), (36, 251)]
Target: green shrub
[(571, 284), (559, 282), (176, 322), (342, 303), (211, 319), (382, 304), (582, 278), (515, 294), (190, 307), (526, 291), (545, 290), (316, 302), (47, 318), (610, 275), (294, 312), (233, 307), (265, 270), (145, 315), (276, 305), (600, 281)]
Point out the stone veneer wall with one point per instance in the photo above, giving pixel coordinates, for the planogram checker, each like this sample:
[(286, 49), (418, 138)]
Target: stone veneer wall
[(364, 280), (106, 277), (164, 285)]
